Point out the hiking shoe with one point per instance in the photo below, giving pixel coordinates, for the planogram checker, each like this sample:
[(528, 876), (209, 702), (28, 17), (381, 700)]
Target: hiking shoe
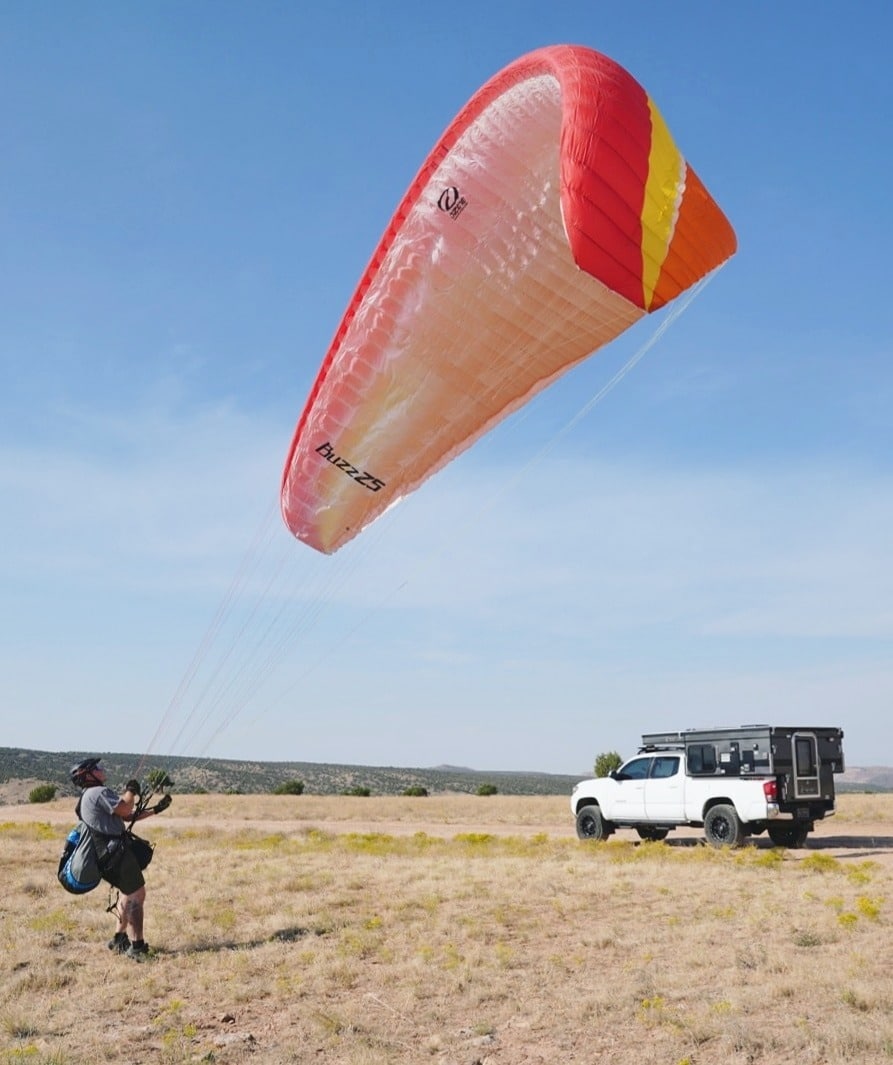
[(138, 950), (119, 943)]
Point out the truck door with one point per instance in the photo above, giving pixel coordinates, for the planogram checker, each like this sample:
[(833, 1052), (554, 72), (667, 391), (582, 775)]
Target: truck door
[(629, 798), (805, 748), (665, 789)]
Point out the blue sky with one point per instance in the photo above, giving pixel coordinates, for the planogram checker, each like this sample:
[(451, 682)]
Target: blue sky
[(189, 195)]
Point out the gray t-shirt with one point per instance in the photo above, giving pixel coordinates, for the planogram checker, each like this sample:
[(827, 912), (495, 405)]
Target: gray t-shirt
[(97, 804)]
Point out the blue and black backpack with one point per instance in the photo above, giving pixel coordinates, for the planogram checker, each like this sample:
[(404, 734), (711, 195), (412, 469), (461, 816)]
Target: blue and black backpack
[(79, 863)]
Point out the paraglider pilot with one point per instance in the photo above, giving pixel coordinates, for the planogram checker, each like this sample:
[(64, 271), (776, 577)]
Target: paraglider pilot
[(109, 816)]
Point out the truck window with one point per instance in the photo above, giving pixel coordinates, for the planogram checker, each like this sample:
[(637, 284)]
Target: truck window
[(701, 758), (637, 769), (805, 757), (665, 766)]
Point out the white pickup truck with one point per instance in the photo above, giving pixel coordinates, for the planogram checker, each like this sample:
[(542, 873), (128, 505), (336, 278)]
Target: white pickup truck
[(733, 782)]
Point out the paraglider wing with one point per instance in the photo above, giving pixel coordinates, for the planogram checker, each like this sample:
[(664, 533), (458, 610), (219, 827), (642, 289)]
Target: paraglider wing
[(554, 212)]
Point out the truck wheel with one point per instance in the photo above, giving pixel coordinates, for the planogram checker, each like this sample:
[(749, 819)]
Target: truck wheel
[(723, 827), (789, 834), (591, 824), (654, 834)]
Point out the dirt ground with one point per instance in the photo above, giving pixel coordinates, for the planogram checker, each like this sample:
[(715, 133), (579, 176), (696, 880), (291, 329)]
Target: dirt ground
[(480, 949), (839, 836)]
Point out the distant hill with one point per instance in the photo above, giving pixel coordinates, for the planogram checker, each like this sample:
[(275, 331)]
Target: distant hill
[(20, 766), (21, 770), (866, 778)]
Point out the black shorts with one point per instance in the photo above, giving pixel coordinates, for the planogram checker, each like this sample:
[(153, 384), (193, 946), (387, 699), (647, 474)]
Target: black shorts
[(125, 873)]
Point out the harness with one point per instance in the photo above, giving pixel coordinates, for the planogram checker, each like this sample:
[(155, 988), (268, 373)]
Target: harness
[(110, 849)]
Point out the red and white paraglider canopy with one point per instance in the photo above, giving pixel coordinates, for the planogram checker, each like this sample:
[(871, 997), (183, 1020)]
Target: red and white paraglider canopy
[(553, 213)]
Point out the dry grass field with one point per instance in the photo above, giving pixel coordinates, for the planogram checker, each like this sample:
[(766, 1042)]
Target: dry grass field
[(451, 929)]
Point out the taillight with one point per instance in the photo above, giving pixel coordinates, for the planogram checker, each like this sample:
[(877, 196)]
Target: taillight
[(770, 790)]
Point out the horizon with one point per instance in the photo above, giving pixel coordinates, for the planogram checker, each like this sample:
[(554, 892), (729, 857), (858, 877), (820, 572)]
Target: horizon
[(442, 767)]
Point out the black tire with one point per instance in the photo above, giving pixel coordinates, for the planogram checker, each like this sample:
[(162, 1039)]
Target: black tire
[(591, 824), (655, 835), (723, 827), (789, 834)]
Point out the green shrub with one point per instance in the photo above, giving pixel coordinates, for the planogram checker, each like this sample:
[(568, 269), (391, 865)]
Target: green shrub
[(42, 793), (158, 778), (357, 789), (415, 790), (606, 762), (289, 787), (487, 789)]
